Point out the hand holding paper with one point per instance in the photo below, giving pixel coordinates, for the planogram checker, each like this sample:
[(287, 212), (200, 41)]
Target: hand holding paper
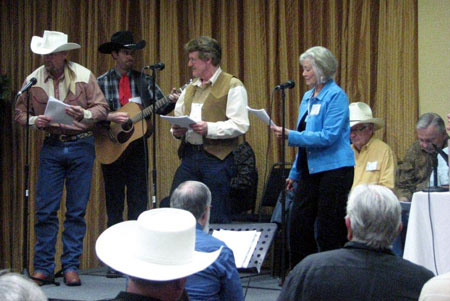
[(262, 114), (181, 121), (56, 110)]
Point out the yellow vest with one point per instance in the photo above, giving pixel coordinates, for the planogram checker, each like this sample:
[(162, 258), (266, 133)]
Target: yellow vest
[(214, 110)]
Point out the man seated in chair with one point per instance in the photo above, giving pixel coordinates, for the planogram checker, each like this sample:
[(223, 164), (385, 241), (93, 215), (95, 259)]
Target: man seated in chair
[(365, 268), (220, 281), (156, 252), (374, 160)]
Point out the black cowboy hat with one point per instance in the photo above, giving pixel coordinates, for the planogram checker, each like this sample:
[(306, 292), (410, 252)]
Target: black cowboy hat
[(121, 39)]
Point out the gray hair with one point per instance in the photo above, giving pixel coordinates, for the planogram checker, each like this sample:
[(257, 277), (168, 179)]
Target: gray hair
[(375, 215), (323, 63), (192, 196), (15, 287), (428, 119)]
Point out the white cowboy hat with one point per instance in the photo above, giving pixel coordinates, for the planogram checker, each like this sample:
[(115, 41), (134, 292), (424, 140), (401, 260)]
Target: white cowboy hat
[(360, 112), (437, 288), (51, 42), (159, 246)]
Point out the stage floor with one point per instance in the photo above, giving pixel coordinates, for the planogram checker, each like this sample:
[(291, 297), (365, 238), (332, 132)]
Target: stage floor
[(95, 286)]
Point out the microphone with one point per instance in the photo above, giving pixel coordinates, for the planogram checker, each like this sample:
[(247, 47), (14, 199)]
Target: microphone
[(287, 85), (32, 82), (440, 152), (157, 66)]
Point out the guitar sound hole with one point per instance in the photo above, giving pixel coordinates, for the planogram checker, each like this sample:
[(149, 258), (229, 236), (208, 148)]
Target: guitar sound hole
[(123, 137)]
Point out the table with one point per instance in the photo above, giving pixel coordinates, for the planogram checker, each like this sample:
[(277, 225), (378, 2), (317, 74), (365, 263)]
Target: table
[(419, 238)]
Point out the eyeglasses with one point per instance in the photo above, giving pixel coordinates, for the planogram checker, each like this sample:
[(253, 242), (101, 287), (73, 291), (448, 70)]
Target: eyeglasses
[(358, 130)]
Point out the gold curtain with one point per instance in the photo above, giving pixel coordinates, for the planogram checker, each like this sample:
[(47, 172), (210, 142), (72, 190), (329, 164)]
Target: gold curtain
[(374, 41)]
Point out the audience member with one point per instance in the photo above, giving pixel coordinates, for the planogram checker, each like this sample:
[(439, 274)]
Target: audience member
[(15, 287), (219, 281), (436, 289), (413, 174), (156, 252), (374, 160), (365, 268)]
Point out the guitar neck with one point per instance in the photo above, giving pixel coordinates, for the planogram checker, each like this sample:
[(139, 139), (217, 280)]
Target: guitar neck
[(149, 110)]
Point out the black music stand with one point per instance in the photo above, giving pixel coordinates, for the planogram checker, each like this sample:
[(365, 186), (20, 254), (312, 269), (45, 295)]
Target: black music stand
[(268, 231)]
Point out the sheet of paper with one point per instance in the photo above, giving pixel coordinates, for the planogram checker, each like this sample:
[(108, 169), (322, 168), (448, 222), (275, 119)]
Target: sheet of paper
[(262, 114), (56, 110), (182, 121), (242, 243)]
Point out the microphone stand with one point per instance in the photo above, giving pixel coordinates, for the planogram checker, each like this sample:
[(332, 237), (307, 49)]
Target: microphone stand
[(154, 173), (26, 196), (25, 258), (435, 187), (283, 191)]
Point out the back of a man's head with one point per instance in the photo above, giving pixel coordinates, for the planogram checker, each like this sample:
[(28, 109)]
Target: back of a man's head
[(375, 215), (15, 287), (192, 196)]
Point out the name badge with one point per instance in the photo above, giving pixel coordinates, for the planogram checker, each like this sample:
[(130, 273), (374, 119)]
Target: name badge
[(136, 100), (315, 109), (371, 166)]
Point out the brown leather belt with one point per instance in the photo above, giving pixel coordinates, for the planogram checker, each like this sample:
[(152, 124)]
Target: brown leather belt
[(67, 138)]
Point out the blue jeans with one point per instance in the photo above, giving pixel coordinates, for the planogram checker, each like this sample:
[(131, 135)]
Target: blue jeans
[(129, 171), (399, 243), (198, 165), (70, 163)]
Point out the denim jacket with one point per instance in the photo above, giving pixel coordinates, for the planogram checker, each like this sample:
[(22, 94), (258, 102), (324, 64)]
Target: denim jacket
[(327, 134)]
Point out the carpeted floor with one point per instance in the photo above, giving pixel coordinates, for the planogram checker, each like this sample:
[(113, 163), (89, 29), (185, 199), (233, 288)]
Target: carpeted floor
[(95, 286)]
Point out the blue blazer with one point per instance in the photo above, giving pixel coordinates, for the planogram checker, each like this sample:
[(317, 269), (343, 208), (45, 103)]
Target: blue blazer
[(327, 133)]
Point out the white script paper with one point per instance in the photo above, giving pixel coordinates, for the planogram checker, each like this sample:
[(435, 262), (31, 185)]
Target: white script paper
[(242, 243), (56, 110), (262, 114), (182, 121)]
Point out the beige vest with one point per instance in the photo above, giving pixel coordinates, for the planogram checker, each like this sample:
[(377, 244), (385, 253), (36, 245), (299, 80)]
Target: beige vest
[(213, 110)]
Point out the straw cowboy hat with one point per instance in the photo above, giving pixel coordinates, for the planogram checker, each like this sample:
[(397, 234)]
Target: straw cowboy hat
[(159, 246), (360, 112), (51, 42), (121, 39)]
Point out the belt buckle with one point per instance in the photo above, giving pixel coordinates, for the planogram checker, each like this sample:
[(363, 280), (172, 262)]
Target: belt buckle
[(64, 138)]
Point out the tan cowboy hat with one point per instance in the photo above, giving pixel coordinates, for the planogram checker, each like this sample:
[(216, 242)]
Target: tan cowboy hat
[(360, 112), (159, 246), (51, 42)]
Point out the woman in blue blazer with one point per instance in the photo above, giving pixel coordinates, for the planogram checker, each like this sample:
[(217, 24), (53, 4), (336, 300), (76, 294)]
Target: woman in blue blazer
[(324, 163)]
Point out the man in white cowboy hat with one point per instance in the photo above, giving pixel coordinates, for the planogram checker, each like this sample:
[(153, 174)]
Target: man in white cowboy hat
[(157, 252), (219, 281), (67, 155), (122, 85), (375, 160)]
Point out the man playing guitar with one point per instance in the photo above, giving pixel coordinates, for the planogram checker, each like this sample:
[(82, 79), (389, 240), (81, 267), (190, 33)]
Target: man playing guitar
[(127, 91)]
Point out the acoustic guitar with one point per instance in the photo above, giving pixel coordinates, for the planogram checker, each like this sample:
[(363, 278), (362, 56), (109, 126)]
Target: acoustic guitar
[(111, 141)]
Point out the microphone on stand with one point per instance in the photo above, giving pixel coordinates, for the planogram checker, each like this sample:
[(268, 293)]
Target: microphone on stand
[(157, 66), (32, 82), (441, 152), (287, 85)]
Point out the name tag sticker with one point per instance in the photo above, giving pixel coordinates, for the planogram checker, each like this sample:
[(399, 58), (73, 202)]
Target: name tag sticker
[(315, 109), (371, 166), (136, 100)]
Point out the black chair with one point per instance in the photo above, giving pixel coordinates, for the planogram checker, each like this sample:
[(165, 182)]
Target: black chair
[(274, 185)]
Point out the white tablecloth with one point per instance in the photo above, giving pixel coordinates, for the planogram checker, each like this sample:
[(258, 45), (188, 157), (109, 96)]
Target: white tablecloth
[(419, 242)]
